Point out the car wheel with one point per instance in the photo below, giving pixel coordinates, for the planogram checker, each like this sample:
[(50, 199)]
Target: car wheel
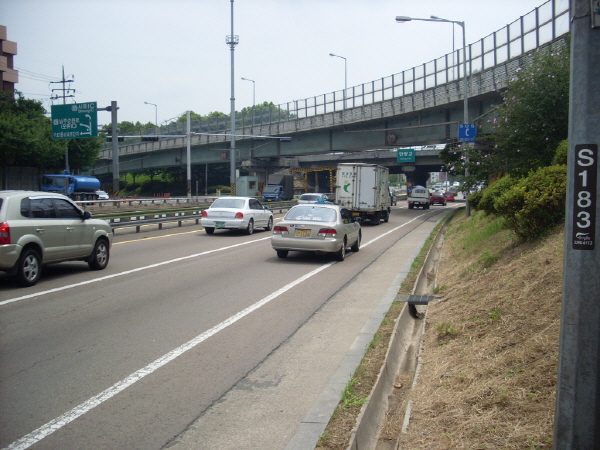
[(282, 253), (410, 206), (341, 254), (356, 246), (269, 226), (209, 230), (30, 268), (99, 257), (250, 227)]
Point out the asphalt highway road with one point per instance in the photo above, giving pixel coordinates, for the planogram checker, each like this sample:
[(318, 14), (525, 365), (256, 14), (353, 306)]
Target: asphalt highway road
[(143, 354)]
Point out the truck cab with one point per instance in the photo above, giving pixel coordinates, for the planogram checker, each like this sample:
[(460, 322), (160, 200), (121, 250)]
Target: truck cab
[(273, 193), (418, 198)]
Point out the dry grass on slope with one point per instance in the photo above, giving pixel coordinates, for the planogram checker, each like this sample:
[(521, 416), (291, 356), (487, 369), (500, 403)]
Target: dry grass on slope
[(490, 348)]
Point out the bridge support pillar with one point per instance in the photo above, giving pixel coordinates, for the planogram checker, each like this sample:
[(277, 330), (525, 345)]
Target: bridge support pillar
[(415, 175)]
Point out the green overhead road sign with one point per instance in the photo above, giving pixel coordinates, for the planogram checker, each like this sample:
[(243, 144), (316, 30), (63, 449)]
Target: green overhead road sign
[(405, 155), (75, 121)]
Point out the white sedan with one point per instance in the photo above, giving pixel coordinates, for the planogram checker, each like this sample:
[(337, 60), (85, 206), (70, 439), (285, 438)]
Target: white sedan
[(319, 228), (236, 213)]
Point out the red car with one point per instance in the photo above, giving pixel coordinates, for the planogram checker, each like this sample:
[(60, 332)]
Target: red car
[(438, 198), (449, 196)]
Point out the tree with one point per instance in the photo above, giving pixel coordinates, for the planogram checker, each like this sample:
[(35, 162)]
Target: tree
[(534, 117), (525, 130), (26, 134), (83, 152)]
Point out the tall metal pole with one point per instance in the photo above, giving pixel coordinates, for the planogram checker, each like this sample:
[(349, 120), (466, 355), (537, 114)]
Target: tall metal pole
[(345, 75), (189, 154), (155, 113), (466, 107), (115, 148), (232, 41), (64, 102), (253, 97), (577, 416)]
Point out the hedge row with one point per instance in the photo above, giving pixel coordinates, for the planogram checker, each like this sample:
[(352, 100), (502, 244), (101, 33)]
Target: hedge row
[(531, 205)]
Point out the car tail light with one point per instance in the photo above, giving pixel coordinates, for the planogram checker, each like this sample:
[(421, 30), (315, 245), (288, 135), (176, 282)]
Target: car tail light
[(280, 230), (4, 233), (204, 213), (327, 232), (239, 215)]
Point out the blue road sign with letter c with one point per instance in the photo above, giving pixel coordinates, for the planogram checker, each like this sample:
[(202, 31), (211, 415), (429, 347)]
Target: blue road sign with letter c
[(467, 132)]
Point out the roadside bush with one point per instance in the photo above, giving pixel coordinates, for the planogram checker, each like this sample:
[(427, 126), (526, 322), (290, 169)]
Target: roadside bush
[(535, 204), (493, 192), (562, 151), (474, 199)]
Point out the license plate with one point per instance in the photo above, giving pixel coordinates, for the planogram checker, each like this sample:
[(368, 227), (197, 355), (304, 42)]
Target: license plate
[(302, 233), (356, 214), (219, 224)]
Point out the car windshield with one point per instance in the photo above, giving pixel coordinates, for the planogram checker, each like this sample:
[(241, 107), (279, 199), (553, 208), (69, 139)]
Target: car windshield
[(311, 213), (228, 203)]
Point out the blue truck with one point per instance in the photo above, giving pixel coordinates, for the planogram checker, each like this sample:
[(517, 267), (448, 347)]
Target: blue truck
[(279, 187), (77, 187)]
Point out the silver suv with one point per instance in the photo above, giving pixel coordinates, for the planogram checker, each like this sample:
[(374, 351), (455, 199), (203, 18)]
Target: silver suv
[(37, 228)]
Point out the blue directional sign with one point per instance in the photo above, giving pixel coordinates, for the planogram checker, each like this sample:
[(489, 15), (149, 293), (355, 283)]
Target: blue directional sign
[(467, 132)]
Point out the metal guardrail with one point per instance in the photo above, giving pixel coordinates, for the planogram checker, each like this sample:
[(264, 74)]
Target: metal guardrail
[(140, 220)]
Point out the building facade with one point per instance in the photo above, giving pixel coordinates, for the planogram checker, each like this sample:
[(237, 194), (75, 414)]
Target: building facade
[(8, 75)]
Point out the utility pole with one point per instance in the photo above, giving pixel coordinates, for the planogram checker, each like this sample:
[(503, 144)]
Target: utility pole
[(232, 41), (64, 96), (577, 416), (189, 154)]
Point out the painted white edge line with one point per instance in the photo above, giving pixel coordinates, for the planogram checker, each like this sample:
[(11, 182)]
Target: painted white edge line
[(127, 272)]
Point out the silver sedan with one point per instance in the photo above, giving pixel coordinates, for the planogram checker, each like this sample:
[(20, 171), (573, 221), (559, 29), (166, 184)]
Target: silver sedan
[(320, 228), (236, 213)]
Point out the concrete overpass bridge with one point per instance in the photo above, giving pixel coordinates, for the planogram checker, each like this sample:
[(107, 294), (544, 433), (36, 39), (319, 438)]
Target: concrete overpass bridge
[(422, 105)]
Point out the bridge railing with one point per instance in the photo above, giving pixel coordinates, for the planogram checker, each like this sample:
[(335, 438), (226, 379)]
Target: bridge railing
[(539, 27)]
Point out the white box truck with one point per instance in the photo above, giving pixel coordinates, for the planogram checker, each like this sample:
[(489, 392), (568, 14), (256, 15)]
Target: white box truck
[(363, 189)]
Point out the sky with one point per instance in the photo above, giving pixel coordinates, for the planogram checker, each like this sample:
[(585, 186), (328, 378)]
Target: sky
[(173, 53)]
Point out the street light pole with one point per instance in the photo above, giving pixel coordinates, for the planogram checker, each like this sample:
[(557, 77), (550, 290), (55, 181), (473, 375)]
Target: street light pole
[(253, 96), (345, 75), (402, 19), (155, 113)]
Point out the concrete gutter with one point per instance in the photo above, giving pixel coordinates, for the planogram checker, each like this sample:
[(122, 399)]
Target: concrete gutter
[(401, 354)]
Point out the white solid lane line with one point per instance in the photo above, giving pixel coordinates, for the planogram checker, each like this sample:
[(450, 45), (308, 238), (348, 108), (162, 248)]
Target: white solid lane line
[(127, 272)]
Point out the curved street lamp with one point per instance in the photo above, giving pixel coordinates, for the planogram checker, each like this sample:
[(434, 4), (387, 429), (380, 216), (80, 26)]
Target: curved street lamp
[(345, 75), (155, 113), (402, 19), (253, 96)]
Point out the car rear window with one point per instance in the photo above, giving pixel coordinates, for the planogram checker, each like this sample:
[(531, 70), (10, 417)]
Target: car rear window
[(311, 213), (228, 203), (309, 197)]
